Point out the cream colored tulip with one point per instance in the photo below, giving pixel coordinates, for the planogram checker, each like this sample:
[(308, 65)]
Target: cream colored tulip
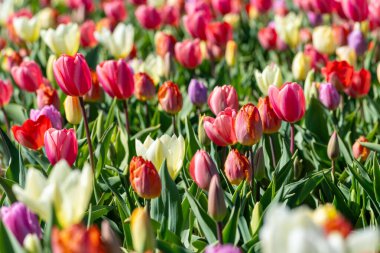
[(270, 75), (119, 42), (347, 54), (27, 29), (154, 66), (6, 9), (151, 150), (310, 89), (288, 28), (323, 39), (301, 66), (72, 109), (63, 40), (46, 17), (68, 191), (32, 244), (142, 231)]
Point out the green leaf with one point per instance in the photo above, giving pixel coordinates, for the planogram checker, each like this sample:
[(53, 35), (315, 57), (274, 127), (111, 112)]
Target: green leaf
[(98, 212), (230, 232), (376, 181), (11, 152), (170, 248), (372, 146), (193, 144), (7, 184)]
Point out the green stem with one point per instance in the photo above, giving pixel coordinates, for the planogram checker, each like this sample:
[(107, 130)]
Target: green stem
[(88, 134)]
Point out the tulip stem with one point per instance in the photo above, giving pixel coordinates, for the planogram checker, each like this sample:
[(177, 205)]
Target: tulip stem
[(272, 151), (125, 106), (147, 113), (6, 121), (174, 125), (292, 138), (333, 170), (88, 134), (220, 231)]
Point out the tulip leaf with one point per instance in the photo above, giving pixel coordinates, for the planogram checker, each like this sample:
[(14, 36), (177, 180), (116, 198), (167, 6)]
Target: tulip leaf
[(145, 131), (376, 175), (8, 243), (98, 212), (7, 184), (230, 232), (16, 113), (192, 141), (167, 247), (13, 156), (315, 114), (372, 146)]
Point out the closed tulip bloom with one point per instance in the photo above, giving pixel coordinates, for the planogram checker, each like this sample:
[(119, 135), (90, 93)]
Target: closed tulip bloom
[(115, 11), (361, 84), (144, 87), (148, 17), (315, 19), (202, 136), (374, 10), (262, 5), (225, 248), (356, 10), (288, 102), (248, 125), (288, 28), (6, 91), (142, 231), (270, 75), (164, 43), (231, 52), (301, 66), (47, 95), (116, 78), (195, 24), (188, 53), (333, 150), (271, 123), (222, 6), (219, 33), (329, 96), (119, 42), (31, 133), (222, 97), (339, 73), (61, 144), (197, 92), (357, 41), (72, 110), (359, 151), (340, 35), (317, 59), (65, 39), (170, 97), (202, 169), (170, 15), (49, 111), (221, 130), (87, 37), (27, 29), (237, 167), (216, 204), (323, 39), (144, 178), (28, 75), (96, 93), (347, 54), (267, 37), (72, 74), (18, 219)]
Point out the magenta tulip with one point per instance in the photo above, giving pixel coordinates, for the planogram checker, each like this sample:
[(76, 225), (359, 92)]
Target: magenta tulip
[(188, 53), (28, 75), (49, 111), (115, 11), (221, 130), (356, 10), (148, 17), (222, 97), (61, 144), (195, 24), (202, 168)]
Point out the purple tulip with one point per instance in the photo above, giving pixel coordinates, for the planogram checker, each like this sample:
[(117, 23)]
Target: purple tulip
[(197, 92), (315, 19), (329, 96), (49, 111), (227, 248), (357, 41), (18, 219)]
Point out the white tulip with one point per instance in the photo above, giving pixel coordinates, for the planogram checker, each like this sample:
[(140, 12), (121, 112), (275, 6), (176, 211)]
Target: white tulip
[(27, 29), (6, 9), (270, 75), (63, 40)]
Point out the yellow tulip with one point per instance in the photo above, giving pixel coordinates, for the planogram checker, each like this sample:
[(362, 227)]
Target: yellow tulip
[(270, 75), (301, 66), (346, 53), (27, 29), (323, 39), (142, 231), (232, 19), (72, 110), (288, 28), (231, 52), (63, 40)]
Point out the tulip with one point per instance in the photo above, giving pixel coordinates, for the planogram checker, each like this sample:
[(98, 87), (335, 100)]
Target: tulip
[(221, 130), (288, 29), (202, 136), (87, 37), (188, 53), (301, 66), (216, 204), (329, 96), (120, 42), (72, 74), (315, 19), (347, 54), (171, 149), (195, 24), (359, 151), (148, 17), (219, 33), (72, 110), (323, 39), (18, 219), (68, 191), (357, 41), (248, 125), (310, 89), (144, 178), (49, 111), (340, 35), (61, 144), (222, 97), (170, 97), (374, 10), (31, 133), (87, 5), (317, 59), (170, 15), (115, 11), (226, 248), (7, 8), (142, 231), (46, 95), (332, 221), (63, 40), (202, 169), (271, 123), (270, 75), (231, 52), (197, 92), (339, 73), (28, 75), (222, 6), (27, 29), (6, 91), (46, 17), (268, 38), (361, 84), (262, 5), (32, 243), (144, 87), (77, 238), (356, 10), (95, 94), (333, 150), (110, 239), (164, 43), (237, 167)]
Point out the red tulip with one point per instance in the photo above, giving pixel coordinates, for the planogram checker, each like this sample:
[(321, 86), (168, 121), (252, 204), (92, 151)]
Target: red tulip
[(360, 151), (144, 87), (195, 24), (76, 4), (374, 10), (225, 6), (361, 84), (138, 2), (271, 123), (202, 168), (262, 5), (61, 144), (219, 33), (237, 167), (87, 38), (222, 97), (116, 78), (188, 53), (356, 10), (248, 125), (144, 178), (288, 102), (268, 38), (6, 91), (339, 73), (148, 17), (170, 15), (221, 130), (47, 95), (164, 43), (115, 11), (170, 97), (31, 133), (322, 6), (28, 75), (72, 74)]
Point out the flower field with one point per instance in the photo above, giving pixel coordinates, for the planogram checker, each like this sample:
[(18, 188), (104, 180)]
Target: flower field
[(179, 126)]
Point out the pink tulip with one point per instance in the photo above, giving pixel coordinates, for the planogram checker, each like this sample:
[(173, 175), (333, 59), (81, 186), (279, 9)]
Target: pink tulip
[(195, 24), (356, 10), (116, 78), (221, 130), (148, 17), (115, 11), (222, 97), (192, 7), (6, 91), (137, 2), (262, 5), (28, 75), (188, 53), (202, 168), (61, 144), (248, 125), (87, 38), (288, 102), (73, 75), (225, 6), (237, 167), (170, 15)]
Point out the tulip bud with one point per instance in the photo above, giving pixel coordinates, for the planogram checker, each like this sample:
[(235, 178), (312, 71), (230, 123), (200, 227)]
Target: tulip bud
[(170, 97), (237, 167), (72, 110), (6, 91), (310, 89), (61, 144), (32, 244), (110, 239), (197, 92), (297, 167), (202, 169), (164, 43), (248, 125), (219, 33), (271, 123), (222, 97), (259, 165), (115, 11), (142, 231), (267, 37), (359, 151), (148, 17), (323, 39), (231, 51), (65, 39), (202, 136), (270, 75), (300, 66), (257, 212), (28, 75), (188, 53), (329, 96), (333, 147), (27, 29), (356, 10), (216, 205), (144, 87), (357, 41), (87, 38), (49, 68)]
